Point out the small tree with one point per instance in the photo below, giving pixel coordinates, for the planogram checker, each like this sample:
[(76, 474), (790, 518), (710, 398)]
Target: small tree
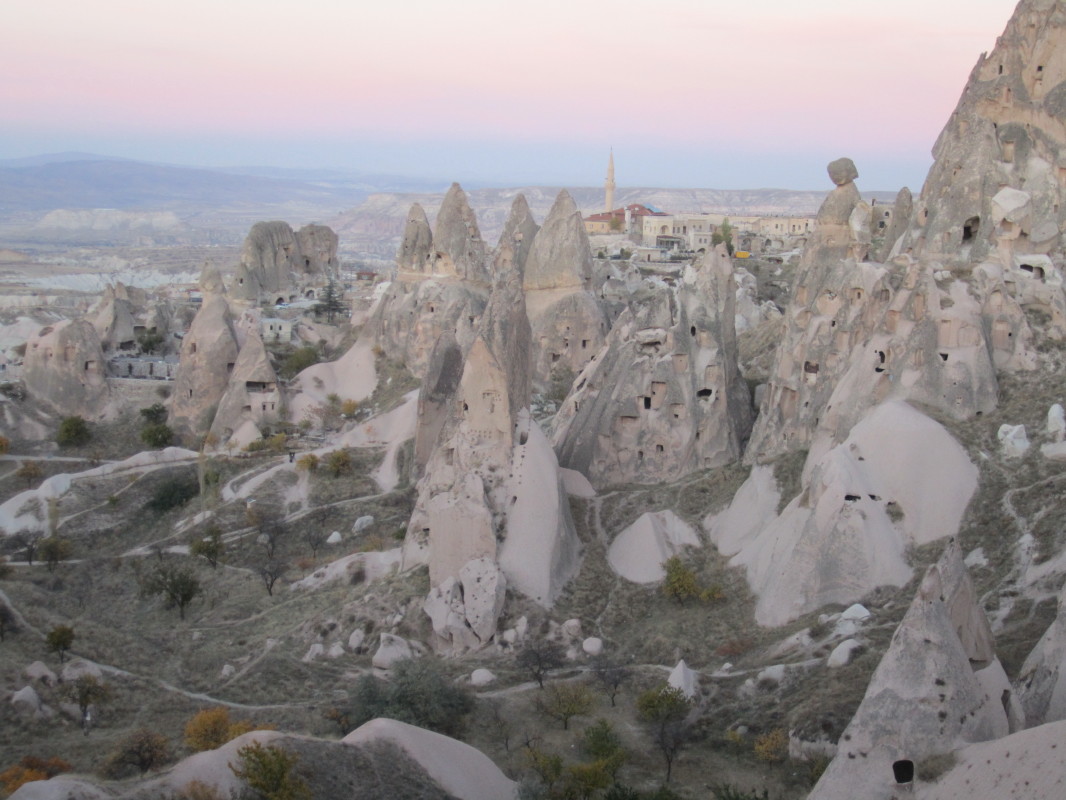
[(155, 414), (28, 472), (209, 546), (157, 436), (73, 432), (270, 771), (31, 768), (59, 640), (5, 568), (307, 463), (539, 657), (664, 710), (270, 572), (314, 536), (28, 541), (85, 691), (150, 342), (178, 586), (680, 583), (418, 693), (141, 750), (5, 445), (339, 462), (610, 675), (563, 701), (724, 234), (332, 302), (54, 549), (211, 728)]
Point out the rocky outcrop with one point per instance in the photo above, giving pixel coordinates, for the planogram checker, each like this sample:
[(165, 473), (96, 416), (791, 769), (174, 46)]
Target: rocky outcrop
[(859, 333), (665, 396), (208, 357), (1042, 681), (519, 231), (436, 396), (861, 505), (113, 320), (474, 481), (442, 285), (278, 265), (995, 189), (937, 686), (252, 399), (64, 370), (568, 324)]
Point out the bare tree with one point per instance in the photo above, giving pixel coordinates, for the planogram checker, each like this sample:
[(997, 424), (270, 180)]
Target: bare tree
[(539, 656), (270, 571), (610, 675), (28, 542)]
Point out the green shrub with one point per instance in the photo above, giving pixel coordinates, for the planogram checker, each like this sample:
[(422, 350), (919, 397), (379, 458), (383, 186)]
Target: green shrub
[(155, 414), (297, 361), (418, 693), (73, 432), (157, 436), (270, 772), (173, 493)]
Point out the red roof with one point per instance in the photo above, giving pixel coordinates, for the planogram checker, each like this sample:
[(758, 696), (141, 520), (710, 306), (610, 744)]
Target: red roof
[(634, 209)]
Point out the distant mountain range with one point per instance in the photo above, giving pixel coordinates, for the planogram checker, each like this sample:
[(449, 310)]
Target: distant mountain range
[(219, 205)]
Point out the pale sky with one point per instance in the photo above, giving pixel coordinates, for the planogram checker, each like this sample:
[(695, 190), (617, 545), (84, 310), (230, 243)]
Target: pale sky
[(689, 93)]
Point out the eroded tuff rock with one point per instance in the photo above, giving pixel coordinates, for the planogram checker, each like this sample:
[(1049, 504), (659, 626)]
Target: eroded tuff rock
[(568, 323), (861, 505), (251, 400), (937, 686), (208, 356), (474, 478), (442, 285), (64, 369), (113, 320), (860, 333), (277, 264), (1042, 681), (1006, 133), (665, 396), (519, 231)]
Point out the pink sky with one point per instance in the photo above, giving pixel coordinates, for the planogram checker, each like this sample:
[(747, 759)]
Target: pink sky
[(290, 82)]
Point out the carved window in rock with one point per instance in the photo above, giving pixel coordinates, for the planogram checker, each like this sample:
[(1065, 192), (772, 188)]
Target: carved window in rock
[(89, 365), (970, 226), (489, 399), (1036, 272)]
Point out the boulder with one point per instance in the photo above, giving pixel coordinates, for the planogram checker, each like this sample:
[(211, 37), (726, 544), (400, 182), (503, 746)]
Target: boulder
[(1056, 423), (334, 538), (1013, 440), (27, 704), (482, 677), (841, 654), (38, 672), (390, 650), (593, 646), (77, 667)]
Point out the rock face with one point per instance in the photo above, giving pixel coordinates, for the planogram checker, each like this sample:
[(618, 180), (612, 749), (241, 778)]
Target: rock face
[(1042, 681), (278, 265), (466, 501), (863, 503), (858, 334), (665, 397), (938, 685), (252, 399), (114, 323), (638, 552), (519, 231), (65, 370), (442, 286), (995, 188), (208, 357), (569, 326)]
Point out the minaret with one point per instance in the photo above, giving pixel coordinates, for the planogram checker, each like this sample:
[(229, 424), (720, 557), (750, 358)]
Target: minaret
[(608, 186)]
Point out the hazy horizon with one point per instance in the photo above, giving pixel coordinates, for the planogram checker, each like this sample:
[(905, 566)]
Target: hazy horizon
[(689, 94)]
